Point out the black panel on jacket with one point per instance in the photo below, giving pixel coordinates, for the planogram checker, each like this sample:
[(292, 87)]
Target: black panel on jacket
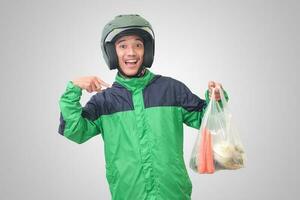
[(62, 124), (109, 101), (162, 91), (166, 91)]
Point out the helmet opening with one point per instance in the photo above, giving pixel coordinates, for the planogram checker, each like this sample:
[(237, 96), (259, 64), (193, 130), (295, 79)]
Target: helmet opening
[(148, 42)]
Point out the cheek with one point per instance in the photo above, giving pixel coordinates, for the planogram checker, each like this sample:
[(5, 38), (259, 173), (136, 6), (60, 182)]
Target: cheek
[(119, 55), (141, 53)]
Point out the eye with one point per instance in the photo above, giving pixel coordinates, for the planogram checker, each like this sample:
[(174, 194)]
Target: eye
[(122, 46), (139, 45)]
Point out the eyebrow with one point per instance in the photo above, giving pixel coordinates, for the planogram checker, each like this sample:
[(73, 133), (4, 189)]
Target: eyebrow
[(138, 39)]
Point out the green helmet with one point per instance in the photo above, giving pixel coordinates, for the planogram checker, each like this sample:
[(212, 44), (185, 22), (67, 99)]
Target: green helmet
[(123, 25)]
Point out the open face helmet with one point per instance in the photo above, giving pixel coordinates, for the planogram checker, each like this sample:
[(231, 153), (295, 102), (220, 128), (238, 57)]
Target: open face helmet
[(123, 25)]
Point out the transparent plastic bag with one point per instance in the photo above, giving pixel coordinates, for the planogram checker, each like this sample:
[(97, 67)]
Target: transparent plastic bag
[(218, 146)]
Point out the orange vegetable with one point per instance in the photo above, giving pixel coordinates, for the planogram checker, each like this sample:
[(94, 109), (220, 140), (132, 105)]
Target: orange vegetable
[(202, 160), (209, 154), (206, 160)]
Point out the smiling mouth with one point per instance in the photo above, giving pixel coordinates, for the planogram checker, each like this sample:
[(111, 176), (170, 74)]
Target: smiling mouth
[(131, 62)]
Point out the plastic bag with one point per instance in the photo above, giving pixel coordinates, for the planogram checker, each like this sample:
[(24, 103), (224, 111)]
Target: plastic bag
[(218, 146)]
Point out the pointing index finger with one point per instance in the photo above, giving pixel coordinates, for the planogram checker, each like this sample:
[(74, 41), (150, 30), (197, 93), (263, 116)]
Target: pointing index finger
[(103, 83)]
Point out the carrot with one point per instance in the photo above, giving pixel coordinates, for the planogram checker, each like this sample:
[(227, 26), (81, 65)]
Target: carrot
[(206, 161), (209, 154), (202, 160)]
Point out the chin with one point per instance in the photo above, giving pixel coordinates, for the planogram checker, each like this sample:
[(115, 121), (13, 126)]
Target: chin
[(130, 72)]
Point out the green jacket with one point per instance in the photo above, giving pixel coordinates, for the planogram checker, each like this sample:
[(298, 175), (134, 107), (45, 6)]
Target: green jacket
[(141, 123)]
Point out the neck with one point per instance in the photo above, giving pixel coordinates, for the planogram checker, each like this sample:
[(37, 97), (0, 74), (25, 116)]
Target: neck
[(140, 73), (135, 84)]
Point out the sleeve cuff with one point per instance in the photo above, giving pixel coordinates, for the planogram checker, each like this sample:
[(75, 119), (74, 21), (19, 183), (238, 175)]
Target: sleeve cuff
[(208, 99), (74, 88)]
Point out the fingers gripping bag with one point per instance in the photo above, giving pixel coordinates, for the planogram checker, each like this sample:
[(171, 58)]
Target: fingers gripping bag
[(218, 145)]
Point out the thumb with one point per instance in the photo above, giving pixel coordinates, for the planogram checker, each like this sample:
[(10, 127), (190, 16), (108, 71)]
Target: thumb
[(211, 84)]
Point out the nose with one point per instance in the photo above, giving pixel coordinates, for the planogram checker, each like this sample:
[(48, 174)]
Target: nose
[(131, 51)]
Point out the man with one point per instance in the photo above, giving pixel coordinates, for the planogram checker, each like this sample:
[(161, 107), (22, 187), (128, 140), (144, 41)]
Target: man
[(140, 117)]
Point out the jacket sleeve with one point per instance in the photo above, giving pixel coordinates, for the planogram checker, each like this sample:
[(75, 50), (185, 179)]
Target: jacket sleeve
[(77, 123), (193, 107)]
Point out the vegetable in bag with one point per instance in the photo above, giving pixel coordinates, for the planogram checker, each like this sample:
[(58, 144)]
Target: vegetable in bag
[(218, 146)]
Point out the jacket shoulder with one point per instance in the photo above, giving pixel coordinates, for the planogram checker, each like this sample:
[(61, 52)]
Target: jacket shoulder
[(167, 82), (112, 100), (168, 91)]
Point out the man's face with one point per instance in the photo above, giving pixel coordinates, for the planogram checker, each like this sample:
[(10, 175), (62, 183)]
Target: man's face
[(130, 51)]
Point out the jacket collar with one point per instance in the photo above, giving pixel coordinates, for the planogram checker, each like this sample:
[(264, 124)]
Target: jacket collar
[(135, 84)]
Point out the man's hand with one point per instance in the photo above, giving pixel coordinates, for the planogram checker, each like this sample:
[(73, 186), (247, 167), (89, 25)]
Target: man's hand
[(216, 86), (91, 83)]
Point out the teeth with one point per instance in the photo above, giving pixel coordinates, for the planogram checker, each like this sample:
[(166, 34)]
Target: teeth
[(130, 60)]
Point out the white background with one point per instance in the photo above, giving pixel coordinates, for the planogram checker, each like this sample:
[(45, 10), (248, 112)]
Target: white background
[(251, 47)]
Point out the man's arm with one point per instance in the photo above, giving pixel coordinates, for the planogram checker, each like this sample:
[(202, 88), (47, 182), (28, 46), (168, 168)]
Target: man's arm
[(193, 107), (77, 123)]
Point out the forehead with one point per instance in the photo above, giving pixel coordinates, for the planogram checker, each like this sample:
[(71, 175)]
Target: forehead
[(129, 38)]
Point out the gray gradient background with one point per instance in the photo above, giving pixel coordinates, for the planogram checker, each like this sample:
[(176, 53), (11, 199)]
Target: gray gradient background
[(252, 47)]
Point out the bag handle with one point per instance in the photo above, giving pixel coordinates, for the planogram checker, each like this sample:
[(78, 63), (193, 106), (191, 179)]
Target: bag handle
[(222, 96)]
